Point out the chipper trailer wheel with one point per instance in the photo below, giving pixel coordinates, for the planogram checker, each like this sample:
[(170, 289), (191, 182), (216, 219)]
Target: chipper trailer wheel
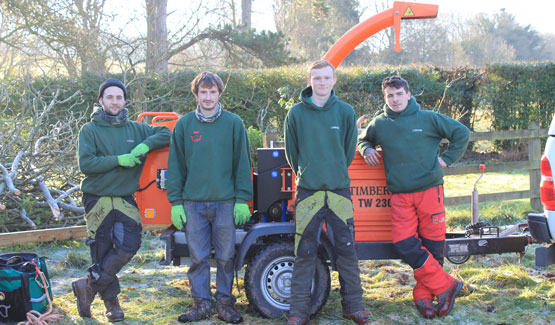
[(268, 281), (458, 259)]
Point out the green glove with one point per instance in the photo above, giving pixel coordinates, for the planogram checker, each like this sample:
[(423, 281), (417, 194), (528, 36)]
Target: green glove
[(178, 216), (140, 149), (241, 213), (128, 160)]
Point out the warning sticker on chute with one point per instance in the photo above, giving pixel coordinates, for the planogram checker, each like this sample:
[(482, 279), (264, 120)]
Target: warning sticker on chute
[(408, 12)]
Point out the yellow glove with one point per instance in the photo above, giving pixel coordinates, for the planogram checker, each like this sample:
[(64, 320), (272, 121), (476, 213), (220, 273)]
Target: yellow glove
[(178, 216), (128, 160), (241, 213), (140, 149)]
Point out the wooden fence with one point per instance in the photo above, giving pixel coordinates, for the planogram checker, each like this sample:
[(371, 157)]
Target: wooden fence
[(53, 234), (534, 135)]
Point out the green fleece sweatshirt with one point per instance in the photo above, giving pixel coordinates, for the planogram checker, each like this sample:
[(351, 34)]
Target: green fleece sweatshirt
[(209, 161), (410, 146), (320, 142), (98, 147)]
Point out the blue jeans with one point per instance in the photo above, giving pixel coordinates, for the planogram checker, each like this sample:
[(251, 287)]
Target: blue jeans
[(210, 224)]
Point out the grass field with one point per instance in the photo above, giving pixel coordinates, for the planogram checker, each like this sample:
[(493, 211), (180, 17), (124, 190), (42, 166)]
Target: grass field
[(499, 289), (501, 213)]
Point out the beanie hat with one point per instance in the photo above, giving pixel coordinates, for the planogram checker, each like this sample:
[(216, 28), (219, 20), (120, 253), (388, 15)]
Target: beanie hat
[(111, 83)]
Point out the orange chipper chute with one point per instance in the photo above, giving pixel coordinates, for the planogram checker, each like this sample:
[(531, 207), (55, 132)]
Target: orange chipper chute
[(390, 17)]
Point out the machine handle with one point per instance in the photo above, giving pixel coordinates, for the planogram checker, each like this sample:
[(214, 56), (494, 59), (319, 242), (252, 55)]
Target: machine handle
[(361, 119), (159, 115)]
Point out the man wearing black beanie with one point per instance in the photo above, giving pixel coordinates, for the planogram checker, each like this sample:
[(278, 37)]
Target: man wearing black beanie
[(112, 83), (110, 147)]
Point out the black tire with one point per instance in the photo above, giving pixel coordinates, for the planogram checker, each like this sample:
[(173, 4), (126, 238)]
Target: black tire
[(458, 259), (268, 281)]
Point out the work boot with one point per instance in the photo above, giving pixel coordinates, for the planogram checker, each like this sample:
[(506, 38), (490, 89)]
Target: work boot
[(426, 308), (226, 312), (296, 320), (85, 296), (359, 317), (446, 300), (114, 313), (201, 309)]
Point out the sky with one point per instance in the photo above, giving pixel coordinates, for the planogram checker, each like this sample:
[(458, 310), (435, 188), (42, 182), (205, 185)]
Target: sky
[(540, 14), (526, 12)]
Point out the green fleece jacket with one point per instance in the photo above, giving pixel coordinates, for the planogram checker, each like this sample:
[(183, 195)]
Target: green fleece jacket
[(98, 147), (410, 146), (209, 161), (320, 142)]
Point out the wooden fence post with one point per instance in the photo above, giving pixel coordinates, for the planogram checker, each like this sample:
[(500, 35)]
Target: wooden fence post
[(534, 156)]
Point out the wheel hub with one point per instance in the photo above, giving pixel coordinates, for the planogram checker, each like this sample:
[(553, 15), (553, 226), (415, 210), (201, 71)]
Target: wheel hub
[(276, 281)]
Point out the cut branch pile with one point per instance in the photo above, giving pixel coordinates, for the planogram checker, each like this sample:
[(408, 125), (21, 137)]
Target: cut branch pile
[(38, 166)]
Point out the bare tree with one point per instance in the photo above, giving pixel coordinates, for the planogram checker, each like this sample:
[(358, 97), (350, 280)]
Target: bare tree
[(246, 14), (157, 36), (210, 34), (69, 29), (314, 25)]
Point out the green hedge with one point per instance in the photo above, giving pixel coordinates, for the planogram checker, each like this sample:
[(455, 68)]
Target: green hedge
[(513, 95), (519, 94)]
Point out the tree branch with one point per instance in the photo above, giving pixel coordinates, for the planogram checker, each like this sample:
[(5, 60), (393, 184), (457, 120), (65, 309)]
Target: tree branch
[(49, 199), (9, 181)]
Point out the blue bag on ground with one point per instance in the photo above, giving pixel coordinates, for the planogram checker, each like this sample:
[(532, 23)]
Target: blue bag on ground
[(21, 287)]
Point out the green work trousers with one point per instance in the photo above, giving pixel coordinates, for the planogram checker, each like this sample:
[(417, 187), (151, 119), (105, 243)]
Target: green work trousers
[(335, 209)]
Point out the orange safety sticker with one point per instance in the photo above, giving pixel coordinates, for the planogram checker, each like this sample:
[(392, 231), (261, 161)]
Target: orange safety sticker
[(408, 12), (150, 213)]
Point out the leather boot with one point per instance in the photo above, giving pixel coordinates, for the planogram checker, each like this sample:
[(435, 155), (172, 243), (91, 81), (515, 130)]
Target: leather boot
[(446, 300), (201, 309), (359, 317), (85, 296), (114, 313), (426, 307), (296, 320), (226, 312)]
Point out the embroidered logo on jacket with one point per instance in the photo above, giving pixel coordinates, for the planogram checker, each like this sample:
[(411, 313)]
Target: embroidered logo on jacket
[(334, 127), (196, 136), (417, 130)]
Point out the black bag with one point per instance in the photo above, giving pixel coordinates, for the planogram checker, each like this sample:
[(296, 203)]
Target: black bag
[(21, 287)]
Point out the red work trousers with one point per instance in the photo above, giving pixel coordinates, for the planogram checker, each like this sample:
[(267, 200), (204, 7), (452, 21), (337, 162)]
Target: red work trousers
[(418, 230)]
